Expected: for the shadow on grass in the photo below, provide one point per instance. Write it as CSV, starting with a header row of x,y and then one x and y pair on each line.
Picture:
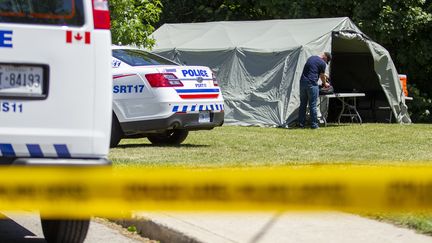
x,y
322,126
139,145
337,125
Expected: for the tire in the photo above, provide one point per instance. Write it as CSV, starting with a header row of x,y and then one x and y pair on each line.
x,y
116,132
173,137
65,231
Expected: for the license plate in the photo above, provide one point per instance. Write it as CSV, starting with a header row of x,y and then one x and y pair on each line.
x,y
204,117
21,80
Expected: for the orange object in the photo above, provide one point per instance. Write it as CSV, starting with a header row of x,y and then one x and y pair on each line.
x,y
403,80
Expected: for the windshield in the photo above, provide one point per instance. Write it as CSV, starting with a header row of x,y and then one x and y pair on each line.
x,y
52,12
140,58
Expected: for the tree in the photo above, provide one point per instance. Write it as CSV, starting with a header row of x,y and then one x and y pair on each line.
x,y
187,11
132,21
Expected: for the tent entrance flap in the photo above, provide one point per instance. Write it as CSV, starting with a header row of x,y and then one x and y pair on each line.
x,y
352,70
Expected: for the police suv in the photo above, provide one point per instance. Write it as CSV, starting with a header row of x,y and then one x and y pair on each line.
x,y
55,98
156,98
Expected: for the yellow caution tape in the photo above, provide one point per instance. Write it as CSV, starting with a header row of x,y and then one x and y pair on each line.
x,y
80,192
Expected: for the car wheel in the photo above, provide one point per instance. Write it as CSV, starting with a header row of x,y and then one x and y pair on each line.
x,y
116,132
173,137
65,231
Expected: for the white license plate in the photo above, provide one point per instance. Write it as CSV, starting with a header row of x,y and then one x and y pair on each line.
x,y
21,80
204,116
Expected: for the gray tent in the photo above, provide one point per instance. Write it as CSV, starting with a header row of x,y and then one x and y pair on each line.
x,y
259,64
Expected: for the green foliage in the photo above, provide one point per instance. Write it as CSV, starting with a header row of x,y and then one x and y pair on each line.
x,y
132,21
132,229
186,11
420,107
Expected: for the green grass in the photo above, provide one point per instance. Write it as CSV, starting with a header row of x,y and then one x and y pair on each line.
x,y
231,146
421,222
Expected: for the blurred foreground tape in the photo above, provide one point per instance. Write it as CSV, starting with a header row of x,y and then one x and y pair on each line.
x,y
80,192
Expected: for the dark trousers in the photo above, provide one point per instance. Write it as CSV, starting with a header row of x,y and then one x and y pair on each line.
x,y
308,95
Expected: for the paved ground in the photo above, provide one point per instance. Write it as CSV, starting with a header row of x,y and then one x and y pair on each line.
x,y
224,228
26,228
267,227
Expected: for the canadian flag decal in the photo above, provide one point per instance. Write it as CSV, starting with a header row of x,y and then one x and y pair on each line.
x,y
78,37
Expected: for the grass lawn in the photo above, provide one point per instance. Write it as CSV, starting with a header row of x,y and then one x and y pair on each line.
x,y
421,222
232,146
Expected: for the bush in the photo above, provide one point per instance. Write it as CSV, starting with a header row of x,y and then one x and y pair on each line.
x,y
420,107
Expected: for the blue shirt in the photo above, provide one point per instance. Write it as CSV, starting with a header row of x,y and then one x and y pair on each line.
x,y
313,68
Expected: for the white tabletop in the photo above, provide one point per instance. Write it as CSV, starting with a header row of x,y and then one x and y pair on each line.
x,y
342,95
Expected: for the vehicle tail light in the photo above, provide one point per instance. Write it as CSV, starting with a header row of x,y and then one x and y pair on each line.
x,y
101,14
215,82
163,80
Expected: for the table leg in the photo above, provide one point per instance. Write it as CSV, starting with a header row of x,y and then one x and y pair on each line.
x,y
342,110
355,109
349,108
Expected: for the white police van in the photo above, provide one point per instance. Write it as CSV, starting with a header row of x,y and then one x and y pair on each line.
x,y
55,101
156,98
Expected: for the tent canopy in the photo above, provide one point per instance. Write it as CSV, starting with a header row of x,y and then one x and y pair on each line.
x,y
259,63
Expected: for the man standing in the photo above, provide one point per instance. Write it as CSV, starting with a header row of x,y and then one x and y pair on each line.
x,y
313,70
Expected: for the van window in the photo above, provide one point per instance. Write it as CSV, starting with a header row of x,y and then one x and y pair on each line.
x,y
50,12
140,58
